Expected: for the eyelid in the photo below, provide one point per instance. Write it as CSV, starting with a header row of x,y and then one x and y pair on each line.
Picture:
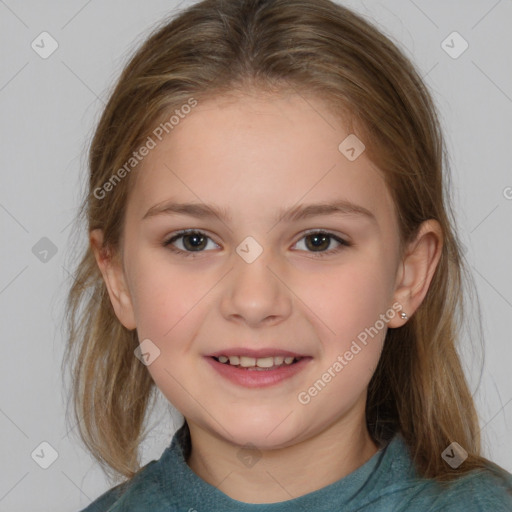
x,y
325,231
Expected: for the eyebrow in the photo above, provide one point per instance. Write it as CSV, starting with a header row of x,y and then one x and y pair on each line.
x,y
202,210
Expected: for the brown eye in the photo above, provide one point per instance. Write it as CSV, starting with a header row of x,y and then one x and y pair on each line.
x,y
188,242
195,242
320,243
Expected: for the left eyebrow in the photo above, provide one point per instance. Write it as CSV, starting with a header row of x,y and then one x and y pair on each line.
x,y
341,207
202,210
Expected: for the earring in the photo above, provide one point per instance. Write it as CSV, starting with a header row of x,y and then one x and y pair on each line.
x,y
403,315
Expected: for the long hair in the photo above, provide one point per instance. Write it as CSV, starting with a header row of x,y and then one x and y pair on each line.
x,y
215,47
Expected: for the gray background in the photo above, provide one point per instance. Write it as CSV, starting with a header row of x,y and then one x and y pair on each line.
x,y
48,110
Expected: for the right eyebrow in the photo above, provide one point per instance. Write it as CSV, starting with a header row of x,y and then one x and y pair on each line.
x,y
199,210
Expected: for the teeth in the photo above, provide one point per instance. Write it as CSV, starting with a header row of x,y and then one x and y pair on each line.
x,y
247,361
261,362
265,362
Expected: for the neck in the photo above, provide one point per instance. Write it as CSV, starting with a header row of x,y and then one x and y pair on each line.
x,y
328,456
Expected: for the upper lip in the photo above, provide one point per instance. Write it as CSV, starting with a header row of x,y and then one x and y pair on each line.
x,y
256,353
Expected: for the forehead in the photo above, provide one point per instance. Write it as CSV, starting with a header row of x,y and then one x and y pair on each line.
x,y
245,152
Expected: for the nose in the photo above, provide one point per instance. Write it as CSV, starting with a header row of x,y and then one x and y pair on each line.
x,y
254,295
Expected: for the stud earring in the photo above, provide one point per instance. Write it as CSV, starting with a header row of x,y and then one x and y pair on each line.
x,y
403,315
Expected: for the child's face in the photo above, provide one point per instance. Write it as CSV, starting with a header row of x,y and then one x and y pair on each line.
x,y
253,158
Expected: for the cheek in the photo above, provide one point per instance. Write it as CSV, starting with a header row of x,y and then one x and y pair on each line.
x,y
347,306
352,334
347,300
164,295
169,306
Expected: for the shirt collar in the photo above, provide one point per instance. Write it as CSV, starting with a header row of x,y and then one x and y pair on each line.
x,y
182,486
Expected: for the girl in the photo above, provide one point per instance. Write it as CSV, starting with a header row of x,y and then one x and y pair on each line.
x,y
272,247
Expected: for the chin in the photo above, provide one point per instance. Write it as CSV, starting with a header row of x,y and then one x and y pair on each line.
x,y
266,433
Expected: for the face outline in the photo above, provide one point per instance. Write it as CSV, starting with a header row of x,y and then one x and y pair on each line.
x,y
287,298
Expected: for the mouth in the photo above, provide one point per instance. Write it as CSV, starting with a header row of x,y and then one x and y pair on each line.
x,y
268,363
257,368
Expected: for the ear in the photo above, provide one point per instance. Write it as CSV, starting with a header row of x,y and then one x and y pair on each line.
x,y
418,266
113,274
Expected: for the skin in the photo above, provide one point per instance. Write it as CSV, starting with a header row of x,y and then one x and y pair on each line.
x,y
254,156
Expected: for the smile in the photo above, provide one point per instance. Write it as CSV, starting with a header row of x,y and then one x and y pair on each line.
x,y
260,363
257,372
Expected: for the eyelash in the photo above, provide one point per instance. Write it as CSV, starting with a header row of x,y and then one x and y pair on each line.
x,y
180,234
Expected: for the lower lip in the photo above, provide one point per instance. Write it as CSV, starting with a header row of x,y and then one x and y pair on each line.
x,y
257,378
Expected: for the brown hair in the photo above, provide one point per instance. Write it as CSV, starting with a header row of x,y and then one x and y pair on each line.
x,y
320,48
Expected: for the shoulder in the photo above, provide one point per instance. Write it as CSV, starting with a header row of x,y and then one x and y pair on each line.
x,y
142,492
156,486
478,491
399,486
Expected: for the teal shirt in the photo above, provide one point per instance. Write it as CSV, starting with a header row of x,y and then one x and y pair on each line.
x,y
387,482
